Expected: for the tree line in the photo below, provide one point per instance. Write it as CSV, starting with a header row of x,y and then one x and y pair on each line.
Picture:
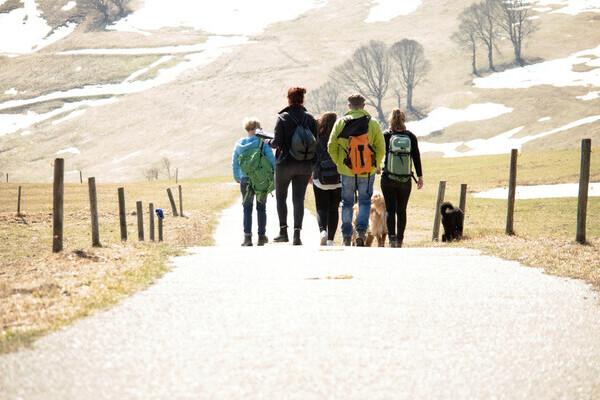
x,y
374,70
484,23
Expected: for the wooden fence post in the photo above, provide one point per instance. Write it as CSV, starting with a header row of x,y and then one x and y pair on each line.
x,y
19,203
462,203
176,175
122,214
140,220
584,183
436,220
151,210
512,190
180,202
7,177
81,177
94,212
160,229
58,205
172,200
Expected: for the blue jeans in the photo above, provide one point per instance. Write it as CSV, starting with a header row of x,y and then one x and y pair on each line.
x,y
261,210
365,190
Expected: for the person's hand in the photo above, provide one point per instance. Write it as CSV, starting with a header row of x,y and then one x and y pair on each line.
x,y
378,171
268,141
238,181
420,183
310,181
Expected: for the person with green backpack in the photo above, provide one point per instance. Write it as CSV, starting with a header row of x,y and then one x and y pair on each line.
x,y
402,151
253,165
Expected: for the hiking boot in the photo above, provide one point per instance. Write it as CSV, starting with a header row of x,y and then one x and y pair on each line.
x,y
330,243
247,241
283,236
297,241
393,240
262,240
347,241
323,238
360,237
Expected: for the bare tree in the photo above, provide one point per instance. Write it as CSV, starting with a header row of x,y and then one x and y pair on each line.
x,y
367,72
151,173
484,16
409,56
514,19
166,167
325,98
466,38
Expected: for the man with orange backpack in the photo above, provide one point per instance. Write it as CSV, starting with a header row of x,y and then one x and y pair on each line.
x,y
357,146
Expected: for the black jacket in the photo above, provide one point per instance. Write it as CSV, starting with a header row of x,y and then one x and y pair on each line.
x,y
284,130
414,152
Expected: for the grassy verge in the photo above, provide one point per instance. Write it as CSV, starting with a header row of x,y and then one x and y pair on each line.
x,y
41,291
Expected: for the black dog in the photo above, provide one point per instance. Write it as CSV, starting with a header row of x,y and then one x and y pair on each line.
x,y
452,219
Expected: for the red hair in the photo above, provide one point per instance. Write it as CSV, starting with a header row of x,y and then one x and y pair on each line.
x,y
295,95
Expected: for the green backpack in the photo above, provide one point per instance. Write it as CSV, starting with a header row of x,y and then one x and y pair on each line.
x,y
259,171
399,162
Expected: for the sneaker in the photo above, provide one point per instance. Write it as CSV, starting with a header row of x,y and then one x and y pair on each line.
x,y
247,241
262,240
347,241
330,243
360,238
323,238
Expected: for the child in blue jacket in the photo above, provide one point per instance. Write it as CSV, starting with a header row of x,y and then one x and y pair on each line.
x,y
251,125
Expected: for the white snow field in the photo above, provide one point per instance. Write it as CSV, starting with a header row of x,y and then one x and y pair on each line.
x,y
500,144
443,117
27,24
385,10
555,72
224,17
571,7
541,191
589,96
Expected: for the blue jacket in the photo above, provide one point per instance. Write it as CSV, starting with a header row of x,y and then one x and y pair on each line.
x,y
243,145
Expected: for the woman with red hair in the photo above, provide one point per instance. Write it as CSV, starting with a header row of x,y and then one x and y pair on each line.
x,y
290,167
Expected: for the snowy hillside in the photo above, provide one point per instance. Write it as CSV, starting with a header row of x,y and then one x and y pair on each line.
x,y
174,79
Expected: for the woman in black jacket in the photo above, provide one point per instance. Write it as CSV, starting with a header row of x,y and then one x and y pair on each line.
x,y
396,189
326,182
289,169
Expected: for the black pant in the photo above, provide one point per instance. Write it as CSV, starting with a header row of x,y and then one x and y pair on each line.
x,y
328,209
396,197
298,173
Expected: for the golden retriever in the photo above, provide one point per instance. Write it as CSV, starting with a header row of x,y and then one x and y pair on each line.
x,y
377,227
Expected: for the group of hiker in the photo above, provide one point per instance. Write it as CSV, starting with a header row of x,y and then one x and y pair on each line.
x,y
340,156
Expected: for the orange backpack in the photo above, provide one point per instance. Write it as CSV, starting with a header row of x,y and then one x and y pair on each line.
x,y
360,157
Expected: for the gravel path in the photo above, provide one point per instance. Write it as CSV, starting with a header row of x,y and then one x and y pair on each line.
x,y
405,323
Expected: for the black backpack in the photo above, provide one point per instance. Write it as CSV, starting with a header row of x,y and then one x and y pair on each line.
x,y
304,143
326,169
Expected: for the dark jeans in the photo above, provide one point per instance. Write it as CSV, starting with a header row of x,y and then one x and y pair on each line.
x,y
328,209
261,210
396,197
298,173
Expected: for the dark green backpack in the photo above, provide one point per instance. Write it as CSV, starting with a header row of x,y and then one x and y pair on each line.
x,y
398,164
259,171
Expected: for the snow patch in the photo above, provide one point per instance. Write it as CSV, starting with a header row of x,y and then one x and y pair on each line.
x,y
556,72
500,144
69,6
385,10
30,28
540,191
443,117
544,119
589,96
224,17
11,92
72,150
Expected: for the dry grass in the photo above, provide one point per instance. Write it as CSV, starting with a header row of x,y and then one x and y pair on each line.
x,y
41,291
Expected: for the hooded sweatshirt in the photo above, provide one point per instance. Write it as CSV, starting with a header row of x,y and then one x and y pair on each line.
x,y
338,147
243,145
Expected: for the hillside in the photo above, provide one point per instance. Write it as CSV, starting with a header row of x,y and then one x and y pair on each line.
x,y
180,92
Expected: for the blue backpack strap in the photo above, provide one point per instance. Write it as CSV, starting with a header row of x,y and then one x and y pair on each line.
x,y
293,118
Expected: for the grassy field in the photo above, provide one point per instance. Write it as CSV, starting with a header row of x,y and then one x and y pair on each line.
x,y
41,291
